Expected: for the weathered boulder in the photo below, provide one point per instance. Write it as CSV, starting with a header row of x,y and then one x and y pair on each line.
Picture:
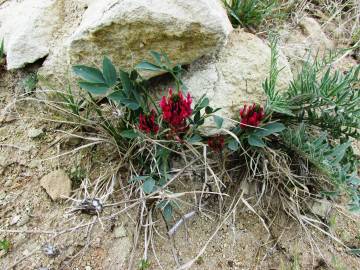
x,y
304,42
234,77
27,28
56,184
126,30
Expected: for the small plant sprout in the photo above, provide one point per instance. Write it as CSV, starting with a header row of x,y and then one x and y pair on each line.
x,y
5,245
30,83
144,264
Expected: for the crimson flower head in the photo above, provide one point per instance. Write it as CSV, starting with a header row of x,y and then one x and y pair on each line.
x,y
176,109
251,116
216,143
147,123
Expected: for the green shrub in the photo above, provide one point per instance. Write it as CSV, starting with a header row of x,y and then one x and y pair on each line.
x,y
321,110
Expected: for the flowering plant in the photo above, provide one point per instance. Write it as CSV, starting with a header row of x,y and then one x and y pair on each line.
x,y
216,143
251,116
147,123
176,109
174,118
146,130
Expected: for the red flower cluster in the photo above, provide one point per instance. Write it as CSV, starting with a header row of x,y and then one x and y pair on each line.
x,y
251,116
176,109
216,143
147,123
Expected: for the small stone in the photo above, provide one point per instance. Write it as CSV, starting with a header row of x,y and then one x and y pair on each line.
x,y
120,232
50,250
24,219
2,253
35,133
26,252
15,220
34,164
88,267
72,142
91,206
8,183
56,184
321,208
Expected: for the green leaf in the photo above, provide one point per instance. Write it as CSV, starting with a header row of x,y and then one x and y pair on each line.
x,y
131,104
233,145
89,74
194,139
355,209
129,134
168,212
109,72
197,117
218,121
2,49
117,96
203,104
354,180
94,88
254,140
145,65
208,110
215,110
126,82
148,185
355,251
5,245
134,75
269,129
156,56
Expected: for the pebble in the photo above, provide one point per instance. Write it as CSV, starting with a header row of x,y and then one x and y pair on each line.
x,y
120,232
24,219
35,133
15,220
88,267
8,183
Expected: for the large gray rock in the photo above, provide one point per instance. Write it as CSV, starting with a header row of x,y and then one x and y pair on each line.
x,y
57,184
126,30
234,77
27,28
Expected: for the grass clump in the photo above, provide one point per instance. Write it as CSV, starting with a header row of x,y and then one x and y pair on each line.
x,y
249,13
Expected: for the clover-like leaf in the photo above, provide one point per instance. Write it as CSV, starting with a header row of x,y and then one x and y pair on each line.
x,y
218,121
149,185
254,140
89,74
109,72
94,88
